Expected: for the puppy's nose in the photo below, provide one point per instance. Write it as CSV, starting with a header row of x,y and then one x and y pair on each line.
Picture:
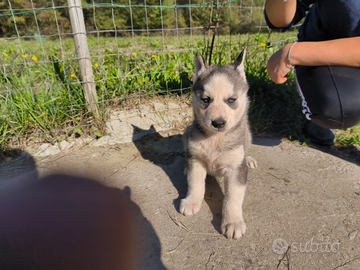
x,y
218,123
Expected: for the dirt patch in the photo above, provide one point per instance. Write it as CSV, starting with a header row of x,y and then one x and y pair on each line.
x,y
298,195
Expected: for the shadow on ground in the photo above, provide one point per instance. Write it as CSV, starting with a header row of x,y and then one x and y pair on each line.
x,y
266,141
163,151
149,246
15,166
347,153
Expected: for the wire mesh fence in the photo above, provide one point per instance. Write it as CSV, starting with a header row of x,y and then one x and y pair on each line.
x,y
137,49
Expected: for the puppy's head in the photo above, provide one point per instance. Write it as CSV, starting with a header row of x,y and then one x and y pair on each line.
x,y
220,94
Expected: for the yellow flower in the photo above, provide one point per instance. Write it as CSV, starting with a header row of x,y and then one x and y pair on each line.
x,y
134,54
34,58
72,75
263,44
25,55
5,54
37,71
154,56
129,73
48,42
96,65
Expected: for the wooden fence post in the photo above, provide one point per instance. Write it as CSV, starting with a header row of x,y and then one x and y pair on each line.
x,y
83,55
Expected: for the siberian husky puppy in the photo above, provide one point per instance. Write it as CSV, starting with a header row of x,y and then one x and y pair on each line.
x,y
218,141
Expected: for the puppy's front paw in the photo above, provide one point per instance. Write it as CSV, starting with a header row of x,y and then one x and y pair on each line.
x,y
188,207
233,230
251,163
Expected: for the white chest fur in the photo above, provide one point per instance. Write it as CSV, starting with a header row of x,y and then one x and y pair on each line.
x,y
215,154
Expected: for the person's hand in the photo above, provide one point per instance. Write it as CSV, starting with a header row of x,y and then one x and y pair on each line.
x,y
278,65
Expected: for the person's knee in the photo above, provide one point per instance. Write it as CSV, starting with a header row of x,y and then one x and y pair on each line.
x,y
336,121
332,95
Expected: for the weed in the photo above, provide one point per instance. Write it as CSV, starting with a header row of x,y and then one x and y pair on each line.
x,y
349,140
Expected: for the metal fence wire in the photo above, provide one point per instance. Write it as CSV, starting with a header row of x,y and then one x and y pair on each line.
x,y
64,64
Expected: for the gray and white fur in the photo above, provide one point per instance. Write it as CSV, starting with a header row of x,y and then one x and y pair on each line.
x,y
218,141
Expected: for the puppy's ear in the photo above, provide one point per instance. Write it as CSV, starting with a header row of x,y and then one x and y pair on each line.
x,y
239,64
200,66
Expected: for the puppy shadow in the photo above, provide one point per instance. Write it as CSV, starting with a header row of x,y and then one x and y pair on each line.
x,y
165,152
214,198
168,154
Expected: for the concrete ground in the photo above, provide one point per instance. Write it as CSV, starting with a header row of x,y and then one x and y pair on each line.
x,y
301,208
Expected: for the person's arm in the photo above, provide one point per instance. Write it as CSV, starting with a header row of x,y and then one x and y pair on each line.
x,y
342,52
279,12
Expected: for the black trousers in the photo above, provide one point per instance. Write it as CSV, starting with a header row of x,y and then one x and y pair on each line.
x,y
331,95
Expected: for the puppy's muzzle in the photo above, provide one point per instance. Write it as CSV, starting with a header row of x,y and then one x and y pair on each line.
x,y
218,123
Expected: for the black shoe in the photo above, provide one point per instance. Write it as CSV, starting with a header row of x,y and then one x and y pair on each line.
x,y
320,135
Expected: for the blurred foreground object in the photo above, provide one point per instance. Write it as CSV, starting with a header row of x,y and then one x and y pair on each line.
x,y
66,222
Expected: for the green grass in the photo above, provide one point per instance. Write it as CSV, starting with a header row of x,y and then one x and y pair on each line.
x,y
41,94
349,137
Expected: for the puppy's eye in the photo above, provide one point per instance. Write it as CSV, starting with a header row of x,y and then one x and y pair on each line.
x,y
205,100
231,100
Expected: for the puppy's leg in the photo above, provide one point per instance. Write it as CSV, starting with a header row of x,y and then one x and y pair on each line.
x,y
232,224
251,162
196,174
